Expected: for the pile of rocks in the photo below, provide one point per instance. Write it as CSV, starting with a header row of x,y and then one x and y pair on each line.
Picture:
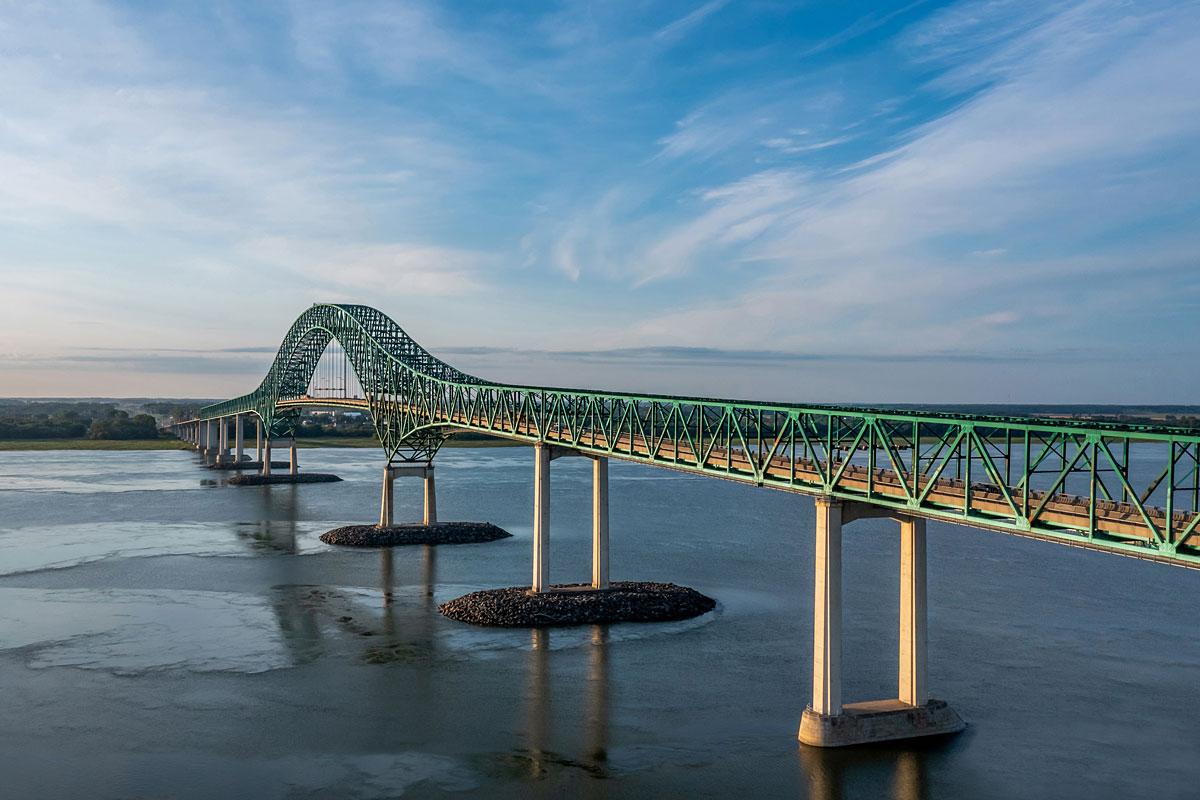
x,y
247,465
625,601
414,533
263,480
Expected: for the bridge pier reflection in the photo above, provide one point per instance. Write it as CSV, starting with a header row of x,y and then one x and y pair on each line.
x,y
826,773
827,722
539,708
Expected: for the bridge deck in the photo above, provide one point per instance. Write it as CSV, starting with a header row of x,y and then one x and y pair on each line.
x,y
983,504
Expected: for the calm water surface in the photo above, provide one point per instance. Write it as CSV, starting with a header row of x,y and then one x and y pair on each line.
x,y
164,635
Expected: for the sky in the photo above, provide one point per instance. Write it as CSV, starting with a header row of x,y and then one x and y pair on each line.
x,y
910,202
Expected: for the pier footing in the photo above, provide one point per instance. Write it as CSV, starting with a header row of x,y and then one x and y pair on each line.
x,y
878,721
414,533
263,480
578,604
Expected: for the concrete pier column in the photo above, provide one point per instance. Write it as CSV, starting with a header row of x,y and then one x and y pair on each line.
x,y
386,505
222,440
430,497
211,437
239,438
827,609
829,722
913,638
293,459
599,523
541,517
266,457
258,437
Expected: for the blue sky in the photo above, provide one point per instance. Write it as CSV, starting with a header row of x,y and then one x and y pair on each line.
x,y
864,202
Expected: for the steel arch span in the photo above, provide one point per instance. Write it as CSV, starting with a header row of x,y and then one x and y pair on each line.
x,y
1127,488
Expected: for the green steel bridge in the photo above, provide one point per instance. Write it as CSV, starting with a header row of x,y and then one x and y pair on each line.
x,y
1133,490
1128,489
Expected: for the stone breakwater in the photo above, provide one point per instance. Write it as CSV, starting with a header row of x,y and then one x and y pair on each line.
x,y
414,533
263,480
625,601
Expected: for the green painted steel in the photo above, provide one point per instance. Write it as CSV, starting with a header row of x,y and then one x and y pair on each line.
x,y
1131,489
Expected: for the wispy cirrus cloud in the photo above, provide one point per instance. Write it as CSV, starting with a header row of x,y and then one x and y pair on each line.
x,y
928,182
680,27
415,269
1040,168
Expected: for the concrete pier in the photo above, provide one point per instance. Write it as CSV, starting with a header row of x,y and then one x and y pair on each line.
x,y
541,517
266,457
387,501
913,639
210,440
599,523
222,441
827,610
293,459
543,455
430,495
239,438
387,505
258,438
827,722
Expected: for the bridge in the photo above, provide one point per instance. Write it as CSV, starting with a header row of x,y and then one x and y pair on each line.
x,y
1127,489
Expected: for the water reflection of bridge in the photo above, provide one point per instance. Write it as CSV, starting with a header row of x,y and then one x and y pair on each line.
x,y
303,624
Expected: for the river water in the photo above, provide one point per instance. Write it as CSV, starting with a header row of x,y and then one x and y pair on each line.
x,y
165,635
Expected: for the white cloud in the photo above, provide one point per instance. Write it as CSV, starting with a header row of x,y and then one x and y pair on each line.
x,y
737,213
390,268
680,27
1066,145
101,127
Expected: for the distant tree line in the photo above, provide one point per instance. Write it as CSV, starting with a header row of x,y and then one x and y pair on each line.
x,y
72,420
334,423
174,410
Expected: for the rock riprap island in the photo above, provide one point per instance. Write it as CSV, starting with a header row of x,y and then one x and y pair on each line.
x,y
414,533
623,601
265,480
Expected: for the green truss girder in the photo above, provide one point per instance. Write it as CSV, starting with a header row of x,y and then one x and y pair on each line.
x,y
1133,489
